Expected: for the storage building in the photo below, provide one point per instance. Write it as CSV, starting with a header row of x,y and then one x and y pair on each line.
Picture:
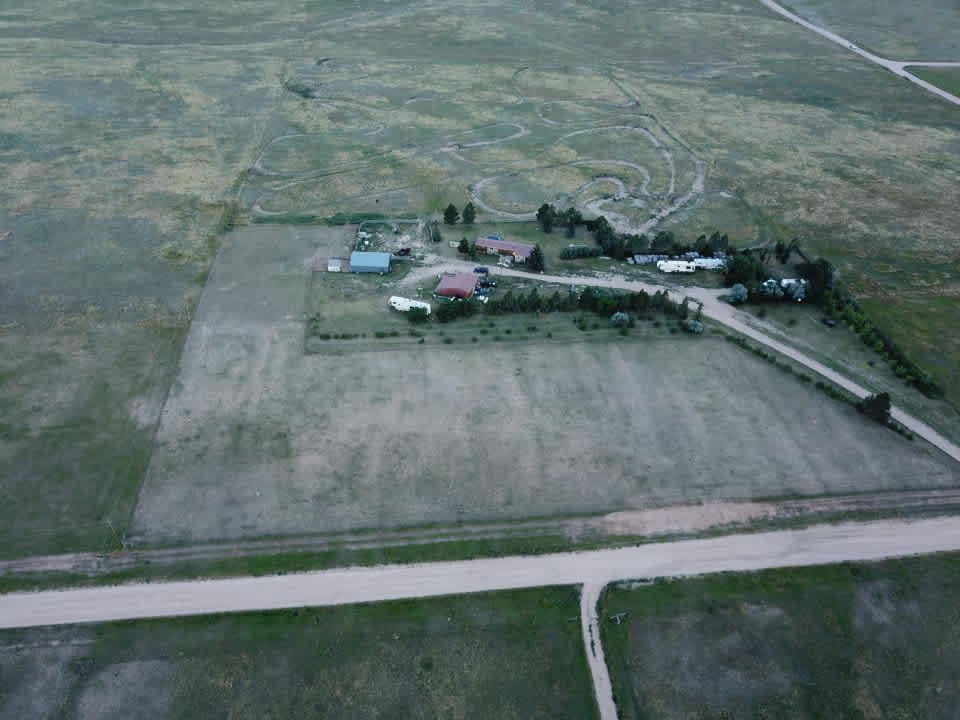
x,y
495,245
461,285
370,262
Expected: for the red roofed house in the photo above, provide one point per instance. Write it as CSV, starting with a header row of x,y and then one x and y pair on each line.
x,y
497,246
458,286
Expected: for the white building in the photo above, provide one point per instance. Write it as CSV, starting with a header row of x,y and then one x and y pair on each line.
x,y
403,304
334,265
676,266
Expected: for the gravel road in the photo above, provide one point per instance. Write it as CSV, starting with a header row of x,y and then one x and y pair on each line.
x,y
811,546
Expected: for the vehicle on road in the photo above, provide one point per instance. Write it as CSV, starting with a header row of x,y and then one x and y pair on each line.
x,y
482,270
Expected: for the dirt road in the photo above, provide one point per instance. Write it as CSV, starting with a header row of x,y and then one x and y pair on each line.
x,y
894,66
811,546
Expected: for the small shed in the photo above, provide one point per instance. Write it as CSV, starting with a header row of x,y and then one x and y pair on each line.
x,y
334,265
370,262
462,285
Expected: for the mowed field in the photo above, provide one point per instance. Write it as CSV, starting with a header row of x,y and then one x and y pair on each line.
x,y
841,641
258,438
126,133
504,655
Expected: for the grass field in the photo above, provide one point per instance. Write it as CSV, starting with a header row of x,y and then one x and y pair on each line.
x,y
503,655
839,347
922,30
853,641
127,132
945,78
258,438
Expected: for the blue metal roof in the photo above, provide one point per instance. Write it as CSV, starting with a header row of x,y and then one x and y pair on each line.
x,y
369,261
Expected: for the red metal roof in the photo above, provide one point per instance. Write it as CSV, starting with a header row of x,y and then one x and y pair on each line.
x,y
521,249
461,285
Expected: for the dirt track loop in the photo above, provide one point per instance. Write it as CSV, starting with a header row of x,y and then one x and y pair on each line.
x,y
811,546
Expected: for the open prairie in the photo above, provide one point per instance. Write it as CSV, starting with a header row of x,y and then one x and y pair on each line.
x,y
873,640
127,131
920,30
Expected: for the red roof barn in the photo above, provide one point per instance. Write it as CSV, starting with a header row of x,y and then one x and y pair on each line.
x,y
461,285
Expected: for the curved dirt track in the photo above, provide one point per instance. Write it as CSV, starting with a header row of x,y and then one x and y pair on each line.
x,y
894,66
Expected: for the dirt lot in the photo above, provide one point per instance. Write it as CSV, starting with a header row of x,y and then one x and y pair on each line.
x,y
509,655
259,438
840,641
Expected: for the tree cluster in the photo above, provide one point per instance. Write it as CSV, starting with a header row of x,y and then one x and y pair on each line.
x,y
576,252
876,407
451,214
838,304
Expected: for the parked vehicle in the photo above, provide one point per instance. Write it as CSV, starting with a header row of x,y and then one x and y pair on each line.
x,y
482,270
488,284
403,251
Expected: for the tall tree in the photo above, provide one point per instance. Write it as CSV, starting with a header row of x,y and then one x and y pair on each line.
x,y
469,214
662,243
876,407
464,246
536,260
451,214
546,216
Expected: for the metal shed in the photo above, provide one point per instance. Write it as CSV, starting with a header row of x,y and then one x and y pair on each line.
x,y
370,262
458,286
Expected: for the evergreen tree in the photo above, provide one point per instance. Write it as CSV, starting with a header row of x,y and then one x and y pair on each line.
x,y
451,214
536,261
546,216
469,214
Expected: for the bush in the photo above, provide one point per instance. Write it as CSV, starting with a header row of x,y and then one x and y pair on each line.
x,y
417,315
421,341
580,251
531,328
447,341
738,294
473,339
549,334
692,326
380,334
876,407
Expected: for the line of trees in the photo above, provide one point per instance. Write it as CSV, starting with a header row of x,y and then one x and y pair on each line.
x,y
451,214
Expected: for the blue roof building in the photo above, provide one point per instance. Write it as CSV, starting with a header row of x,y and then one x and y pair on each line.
x,y
370,262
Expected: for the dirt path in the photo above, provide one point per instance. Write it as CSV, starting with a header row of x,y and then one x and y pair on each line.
x,y
593,645
638,523
894,66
